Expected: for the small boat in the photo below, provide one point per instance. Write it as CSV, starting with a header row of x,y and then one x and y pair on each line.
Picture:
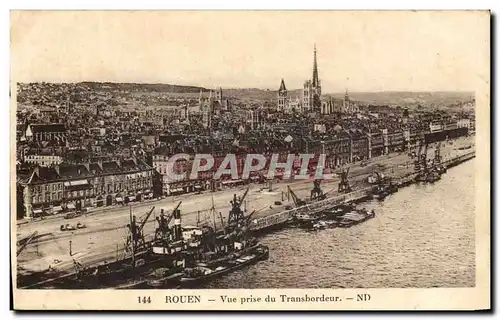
x,y
352,218
331,224
163,277
306,220
335,213
306,217
319,225
201,273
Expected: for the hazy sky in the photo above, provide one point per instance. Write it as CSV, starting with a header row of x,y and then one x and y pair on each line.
x,y
364,51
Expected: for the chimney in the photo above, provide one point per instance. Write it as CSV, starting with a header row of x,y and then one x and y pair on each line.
x,y
57,168
37,170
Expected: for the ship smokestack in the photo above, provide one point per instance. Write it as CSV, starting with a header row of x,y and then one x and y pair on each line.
x,y
177,225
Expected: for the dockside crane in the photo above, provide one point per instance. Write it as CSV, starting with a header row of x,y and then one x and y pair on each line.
x,y
344,186
424,158
437,159
135,239
316,192
418,158
236,214
296,200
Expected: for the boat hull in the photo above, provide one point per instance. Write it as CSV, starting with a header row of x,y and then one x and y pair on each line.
x,y
194,281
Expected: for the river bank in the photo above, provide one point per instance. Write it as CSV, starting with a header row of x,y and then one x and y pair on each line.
x,y
105,233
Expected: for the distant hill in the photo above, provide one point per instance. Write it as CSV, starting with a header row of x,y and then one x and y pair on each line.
x,y
144,87
407,99
379,98
410,98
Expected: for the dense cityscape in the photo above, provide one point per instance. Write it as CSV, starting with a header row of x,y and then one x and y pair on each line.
x,y
87,145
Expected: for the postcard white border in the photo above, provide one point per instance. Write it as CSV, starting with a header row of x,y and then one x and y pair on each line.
x,y
382,299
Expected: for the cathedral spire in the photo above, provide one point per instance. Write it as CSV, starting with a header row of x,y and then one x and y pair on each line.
x,y
315,79
282,85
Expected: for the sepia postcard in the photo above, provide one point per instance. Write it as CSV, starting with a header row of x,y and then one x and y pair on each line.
x,y
250,160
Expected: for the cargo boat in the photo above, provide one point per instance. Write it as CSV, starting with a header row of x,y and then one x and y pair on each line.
x,y
353,218
139,257
203,272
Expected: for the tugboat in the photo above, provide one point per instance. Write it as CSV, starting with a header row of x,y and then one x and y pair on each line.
x,y
383,186
439,167
306,218
338,211
355,217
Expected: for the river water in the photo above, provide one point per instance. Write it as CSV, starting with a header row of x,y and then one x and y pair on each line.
x,y
422,236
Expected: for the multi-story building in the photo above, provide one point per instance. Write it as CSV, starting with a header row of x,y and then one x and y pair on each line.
x,y
393,141
171,183
359,146
375,144
43,159
77,186
338,150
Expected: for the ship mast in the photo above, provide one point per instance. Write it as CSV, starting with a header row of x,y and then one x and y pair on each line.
x,y
136,236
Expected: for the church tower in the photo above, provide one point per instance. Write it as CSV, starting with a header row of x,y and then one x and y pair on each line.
x,y
311,95
315,80
347,102
282,96
316,85
200,101
218,95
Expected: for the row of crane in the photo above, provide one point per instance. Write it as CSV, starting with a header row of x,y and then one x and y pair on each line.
x,y
428,170
317,193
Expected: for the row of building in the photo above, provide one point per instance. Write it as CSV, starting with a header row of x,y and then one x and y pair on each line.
x,y
67,187
343,148
60,186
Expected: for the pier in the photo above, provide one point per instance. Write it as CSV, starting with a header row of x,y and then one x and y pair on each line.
x,y
280,218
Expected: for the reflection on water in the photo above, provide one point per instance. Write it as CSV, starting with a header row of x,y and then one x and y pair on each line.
x,y
422,236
